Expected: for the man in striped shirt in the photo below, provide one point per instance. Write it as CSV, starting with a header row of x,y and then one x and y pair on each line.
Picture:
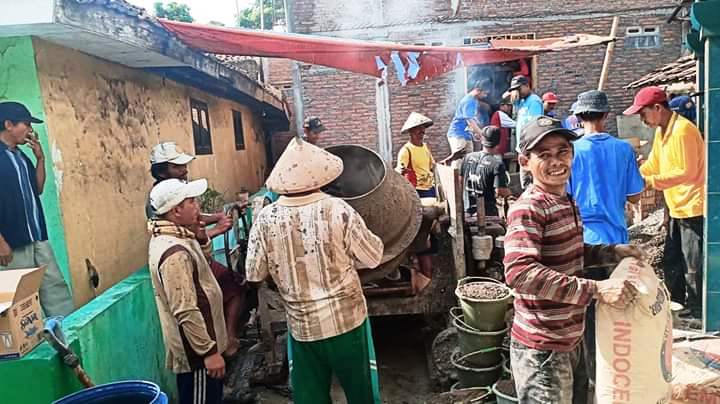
x,y
544,260
23,232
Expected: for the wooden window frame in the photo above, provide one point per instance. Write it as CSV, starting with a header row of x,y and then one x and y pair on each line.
x,y
238,130
637,37
202,135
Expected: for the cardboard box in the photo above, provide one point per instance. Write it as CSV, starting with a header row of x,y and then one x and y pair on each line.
x,y
21,322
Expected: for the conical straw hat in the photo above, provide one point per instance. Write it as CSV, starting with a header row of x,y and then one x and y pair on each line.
x,y
303,167
415,120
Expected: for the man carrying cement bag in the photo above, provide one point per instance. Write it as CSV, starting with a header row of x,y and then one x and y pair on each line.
x,y
544,263
634,345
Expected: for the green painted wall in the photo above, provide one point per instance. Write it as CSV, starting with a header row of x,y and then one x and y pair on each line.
x,y
704,40
19,82
117,336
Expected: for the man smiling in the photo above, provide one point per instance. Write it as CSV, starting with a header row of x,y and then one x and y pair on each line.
x,y
544,259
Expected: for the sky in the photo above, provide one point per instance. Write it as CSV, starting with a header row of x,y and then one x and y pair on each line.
x,y
202,10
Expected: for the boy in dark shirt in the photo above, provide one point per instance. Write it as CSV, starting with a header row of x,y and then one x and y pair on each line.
x,y
484,175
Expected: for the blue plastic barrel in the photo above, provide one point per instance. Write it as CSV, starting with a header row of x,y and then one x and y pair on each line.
x,y
127,392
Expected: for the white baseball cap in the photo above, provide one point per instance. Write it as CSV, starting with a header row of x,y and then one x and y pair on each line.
x,y
170,193
169,152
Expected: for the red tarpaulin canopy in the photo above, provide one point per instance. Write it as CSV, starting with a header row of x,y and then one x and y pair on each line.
x,y
413,63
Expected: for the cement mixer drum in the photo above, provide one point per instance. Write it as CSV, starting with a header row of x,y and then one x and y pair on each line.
x,y
386,201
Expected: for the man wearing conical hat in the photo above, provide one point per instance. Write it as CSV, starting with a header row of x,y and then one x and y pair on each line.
x,y
416,163
308,242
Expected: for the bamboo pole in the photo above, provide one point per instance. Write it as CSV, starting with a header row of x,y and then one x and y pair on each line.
x,y
608,54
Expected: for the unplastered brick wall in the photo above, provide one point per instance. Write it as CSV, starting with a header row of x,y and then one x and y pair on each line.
x,y
312,16
346,101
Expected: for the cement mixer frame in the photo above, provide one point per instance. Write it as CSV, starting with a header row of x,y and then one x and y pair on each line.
x,y
433,302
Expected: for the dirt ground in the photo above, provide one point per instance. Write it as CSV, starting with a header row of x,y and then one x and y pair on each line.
x,y
404,378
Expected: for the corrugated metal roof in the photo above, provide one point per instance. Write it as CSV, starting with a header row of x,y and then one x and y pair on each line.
x,y
683,70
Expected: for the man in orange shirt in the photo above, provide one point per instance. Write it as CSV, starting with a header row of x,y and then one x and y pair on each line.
x,y
676,166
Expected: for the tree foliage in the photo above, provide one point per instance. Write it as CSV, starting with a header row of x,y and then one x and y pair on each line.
x,y
173,11
250,16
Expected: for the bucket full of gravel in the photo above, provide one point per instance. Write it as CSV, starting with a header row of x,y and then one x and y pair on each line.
x,y
484,302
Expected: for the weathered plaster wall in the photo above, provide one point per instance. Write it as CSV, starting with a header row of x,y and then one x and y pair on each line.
x,y
105,118
117,337
19,82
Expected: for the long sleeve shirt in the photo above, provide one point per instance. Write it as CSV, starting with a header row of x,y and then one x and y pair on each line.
x,y
544,258
188,298
311,246
505,120
676,166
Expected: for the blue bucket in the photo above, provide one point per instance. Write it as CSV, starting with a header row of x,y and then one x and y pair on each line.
x,y
127,392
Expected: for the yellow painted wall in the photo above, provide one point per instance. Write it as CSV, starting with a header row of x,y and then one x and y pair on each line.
x,y
103,119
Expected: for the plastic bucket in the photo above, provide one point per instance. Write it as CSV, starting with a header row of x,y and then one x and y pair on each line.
x,y
126,392
484,314
487,345
458,394
507,370
503,398
474,376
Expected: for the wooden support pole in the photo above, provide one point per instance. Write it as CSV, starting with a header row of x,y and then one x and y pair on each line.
x,y
608,54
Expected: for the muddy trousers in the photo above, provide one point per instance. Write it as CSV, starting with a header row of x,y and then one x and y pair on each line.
x,y
683,262
349,356
197,387
55,298
549,377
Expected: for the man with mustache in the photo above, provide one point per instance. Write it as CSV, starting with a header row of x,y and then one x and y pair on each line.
x,y
544,260
168,161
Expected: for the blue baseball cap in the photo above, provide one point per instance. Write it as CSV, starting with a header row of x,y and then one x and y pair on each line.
x,y
682,103
16,112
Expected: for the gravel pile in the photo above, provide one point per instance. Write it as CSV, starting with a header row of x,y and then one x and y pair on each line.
x,y
650,237
484,290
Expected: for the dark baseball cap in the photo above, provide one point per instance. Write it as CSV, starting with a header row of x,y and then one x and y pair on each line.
x,y
518,81
535,130
16,112
314,124
490,136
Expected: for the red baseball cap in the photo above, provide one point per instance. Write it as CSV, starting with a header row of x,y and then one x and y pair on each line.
x,y
550,97
645,97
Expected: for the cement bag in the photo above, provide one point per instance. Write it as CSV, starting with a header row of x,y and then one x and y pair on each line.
x,y
696,372
634,345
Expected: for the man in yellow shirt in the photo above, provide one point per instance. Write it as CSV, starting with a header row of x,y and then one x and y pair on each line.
x,y
415,161
676,166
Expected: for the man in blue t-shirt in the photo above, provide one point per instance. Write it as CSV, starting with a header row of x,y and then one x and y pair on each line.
x,y
527,106
605,175
470,117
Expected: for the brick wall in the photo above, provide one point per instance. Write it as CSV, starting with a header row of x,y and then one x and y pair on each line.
x,y
346,101
331,15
